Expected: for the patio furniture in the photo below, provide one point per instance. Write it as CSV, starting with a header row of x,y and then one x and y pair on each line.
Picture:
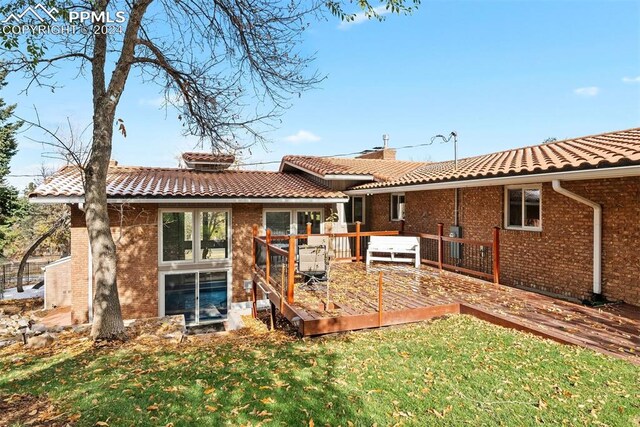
x,y
394,245
313,264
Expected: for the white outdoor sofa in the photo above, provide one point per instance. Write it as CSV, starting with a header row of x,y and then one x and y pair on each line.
x,y
393,246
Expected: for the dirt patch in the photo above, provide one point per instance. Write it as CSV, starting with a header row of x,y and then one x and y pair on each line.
x,y
27,409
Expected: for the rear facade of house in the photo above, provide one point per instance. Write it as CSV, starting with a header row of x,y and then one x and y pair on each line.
x,y
184,236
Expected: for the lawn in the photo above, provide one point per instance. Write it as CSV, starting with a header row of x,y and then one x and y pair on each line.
x,y
452,371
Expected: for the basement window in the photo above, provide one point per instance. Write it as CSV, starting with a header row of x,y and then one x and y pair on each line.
x,y
523,207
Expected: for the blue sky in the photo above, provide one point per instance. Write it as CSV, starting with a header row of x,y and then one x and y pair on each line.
x,y
501,73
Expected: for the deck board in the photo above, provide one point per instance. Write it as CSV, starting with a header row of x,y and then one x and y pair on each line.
x,y
411,295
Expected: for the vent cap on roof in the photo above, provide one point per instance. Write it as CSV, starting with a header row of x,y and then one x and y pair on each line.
x,y
208,161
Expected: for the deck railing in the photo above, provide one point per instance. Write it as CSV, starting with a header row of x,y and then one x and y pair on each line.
x,y
274,256
473,257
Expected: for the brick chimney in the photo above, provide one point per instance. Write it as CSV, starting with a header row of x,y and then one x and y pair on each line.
x,y
385,153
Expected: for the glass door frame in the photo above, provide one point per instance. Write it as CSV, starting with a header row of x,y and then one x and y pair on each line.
x,y
161,292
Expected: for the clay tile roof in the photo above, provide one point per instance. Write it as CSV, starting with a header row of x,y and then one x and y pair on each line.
x,y
146,182
193,157
381,170
619,148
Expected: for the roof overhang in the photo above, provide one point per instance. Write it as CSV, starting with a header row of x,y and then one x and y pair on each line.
x,y
190,200
329,177
575,175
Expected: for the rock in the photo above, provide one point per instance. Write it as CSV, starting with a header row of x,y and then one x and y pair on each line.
x,y
39,327
40,341
79,329
175,337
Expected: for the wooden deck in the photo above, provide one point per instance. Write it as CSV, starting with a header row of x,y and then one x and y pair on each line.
x,y
411,295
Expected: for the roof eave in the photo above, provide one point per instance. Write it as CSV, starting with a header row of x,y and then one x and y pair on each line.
x,y
194,200
571,175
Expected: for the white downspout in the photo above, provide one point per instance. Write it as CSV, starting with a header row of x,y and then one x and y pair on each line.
x,y
597,233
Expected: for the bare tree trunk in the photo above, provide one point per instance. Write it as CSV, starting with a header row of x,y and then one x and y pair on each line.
x,y
107,315
23,262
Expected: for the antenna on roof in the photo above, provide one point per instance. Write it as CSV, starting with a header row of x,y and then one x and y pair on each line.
x,y
453,135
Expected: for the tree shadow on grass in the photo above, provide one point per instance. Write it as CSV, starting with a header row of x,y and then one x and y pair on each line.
x,y
269,380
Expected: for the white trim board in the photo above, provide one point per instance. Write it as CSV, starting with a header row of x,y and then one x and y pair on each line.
x,y
585,174
190,200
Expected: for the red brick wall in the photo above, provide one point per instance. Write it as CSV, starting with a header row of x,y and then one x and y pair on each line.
x,y
379,216
135,231
243,218
559,258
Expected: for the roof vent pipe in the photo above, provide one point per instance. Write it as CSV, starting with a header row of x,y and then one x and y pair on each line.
x,y
597,233
385,141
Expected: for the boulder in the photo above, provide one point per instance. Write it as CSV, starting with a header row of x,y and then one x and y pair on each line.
x,y
40,341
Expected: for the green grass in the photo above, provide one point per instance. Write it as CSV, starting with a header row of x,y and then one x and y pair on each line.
x,y
453,371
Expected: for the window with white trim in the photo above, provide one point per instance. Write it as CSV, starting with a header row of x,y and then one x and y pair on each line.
x,y
179,227
397,207
354,210
292,221
523,207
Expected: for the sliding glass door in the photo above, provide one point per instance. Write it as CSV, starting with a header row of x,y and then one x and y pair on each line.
x,y
201,296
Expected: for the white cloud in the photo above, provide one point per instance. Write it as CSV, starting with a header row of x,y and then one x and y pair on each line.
x,y
587,91
631,79
362,17
302,136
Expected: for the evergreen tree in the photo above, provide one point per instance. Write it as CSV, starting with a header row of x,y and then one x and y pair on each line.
x,y
8,148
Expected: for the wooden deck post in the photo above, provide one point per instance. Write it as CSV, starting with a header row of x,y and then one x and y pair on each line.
x,y
358,241
496,255
267,269
291,268
308,229
380,299
440,245
254,299
282,279
254,233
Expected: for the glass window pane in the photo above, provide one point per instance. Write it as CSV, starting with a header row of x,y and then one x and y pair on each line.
x,y
348,211
213,296
309,216
278,222
180,295
394,207
358,211
515,208
532,207
213,235
177,236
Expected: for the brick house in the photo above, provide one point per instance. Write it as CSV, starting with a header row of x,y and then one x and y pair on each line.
x,y
569,212
155,214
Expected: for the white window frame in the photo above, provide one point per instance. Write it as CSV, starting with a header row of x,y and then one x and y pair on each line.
x,y
391,218
521,187
197,260
161,295
293,215
364,209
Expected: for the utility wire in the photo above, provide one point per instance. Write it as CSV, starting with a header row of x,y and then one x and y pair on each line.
x,y
272,162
